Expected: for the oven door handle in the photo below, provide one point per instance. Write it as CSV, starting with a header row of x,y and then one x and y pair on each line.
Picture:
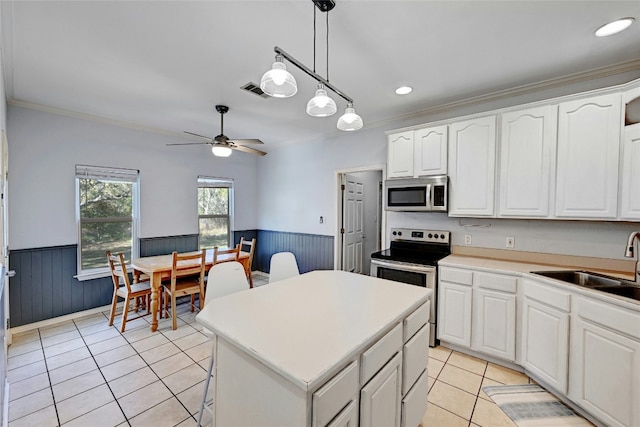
x,y
404,267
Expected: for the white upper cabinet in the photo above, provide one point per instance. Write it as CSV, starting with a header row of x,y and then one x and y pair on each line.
x,y
472,161
430,153
527,157
630,176
400,155
418,153
588,154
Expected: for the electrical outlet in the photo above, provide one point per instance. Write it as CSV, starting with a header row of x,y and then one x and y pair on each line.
x,y
511,242
467,239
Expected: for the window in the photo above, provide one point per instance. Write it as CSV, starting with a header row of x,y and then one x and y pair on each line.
x,y
107,216
215,211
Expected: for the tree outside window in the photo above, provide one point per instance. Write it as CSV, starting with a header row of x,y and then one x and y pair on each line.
x,y
106,207
214,212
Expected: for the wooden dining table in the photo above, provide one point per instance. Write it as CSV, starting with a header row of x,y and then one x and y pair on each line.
x,y
158,268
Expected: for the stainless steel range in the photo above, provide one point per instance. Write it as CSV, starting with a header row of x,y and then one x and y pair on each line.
x,y
413,258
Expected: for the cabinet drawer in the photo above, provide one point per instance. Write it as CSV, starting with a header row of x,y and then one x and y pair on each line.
x,y
610,316
416,320
375,357
496,282
551,296
415,355
348,417
464,277
414,405
329,400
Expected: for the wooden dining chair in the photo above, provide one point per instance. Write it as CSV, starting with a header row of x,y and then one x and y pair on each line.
x,y
187,278
251,244
282,266
123,288
223,279
217,252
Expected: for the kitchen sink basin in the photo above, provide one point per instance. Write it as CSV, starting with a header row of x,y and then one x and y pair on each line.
x,y
629,291
595,281
582,278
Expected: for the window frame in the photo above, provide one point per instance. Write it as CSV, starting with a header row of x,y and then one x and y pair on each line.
x,y
106,174
217,182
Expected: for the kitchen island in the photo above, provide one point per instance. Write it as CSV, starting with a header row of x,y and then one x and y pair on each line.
x,y
322,348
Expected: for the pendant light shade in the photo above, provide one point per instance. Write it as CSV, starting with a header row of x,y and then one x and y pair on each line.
x,y
350,120
321,105
220,151
278,82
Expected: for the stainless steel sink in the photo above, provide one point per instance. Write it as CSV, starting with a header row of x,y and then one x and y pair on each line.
x,y
596,281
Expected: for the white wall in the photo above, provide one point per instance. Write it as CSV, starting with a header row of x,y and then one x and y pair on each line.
x,y
44,149
297,185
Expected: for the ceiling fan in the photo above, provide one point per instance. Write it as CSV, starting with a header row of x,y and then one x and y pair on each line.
x,y
221,145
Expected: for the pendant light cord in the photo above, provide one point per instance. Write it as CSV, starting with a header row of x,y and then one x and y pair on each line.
x,y
314,38
327,45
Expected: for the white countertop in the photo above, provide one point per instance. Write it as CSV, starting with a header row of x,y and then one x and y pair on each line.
x,y
304,326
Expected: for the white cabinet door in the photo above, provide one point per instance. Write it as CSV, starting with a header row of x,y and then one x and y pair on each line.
x,y
380,398
348,417
400,155
588,151
430,152
494,323
605,373
545,343
454,313
527,156
630,177
472,161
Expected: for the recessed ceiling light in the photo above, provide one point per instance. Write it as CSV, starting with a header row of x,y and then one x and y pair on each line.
x,y
403,90
614,27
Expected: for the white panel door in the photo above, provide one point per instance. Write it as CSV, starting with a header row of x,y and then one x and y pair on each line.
x,y
400,155
588,154
380,398
545,343
630,177
527,155
430,151
494,323
454,313
472,161
353,224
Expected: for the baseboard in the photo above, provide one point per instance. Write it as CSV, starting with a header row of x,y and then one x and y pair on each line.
x,y
55,320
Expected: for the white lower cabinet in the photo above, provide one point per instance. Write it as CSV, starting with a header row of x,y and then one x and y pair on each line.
x,y
348,417
545,334
454,305
380,398
604,376
494,323
477,310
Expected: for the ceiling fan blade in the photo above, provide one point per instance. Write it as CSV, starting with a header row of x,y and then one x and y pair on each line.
x,y
190,143
246,141
201,136
248,150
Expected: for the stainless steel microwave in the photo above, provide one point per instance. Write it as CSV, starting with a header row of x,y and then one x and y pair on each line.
x,y
428,194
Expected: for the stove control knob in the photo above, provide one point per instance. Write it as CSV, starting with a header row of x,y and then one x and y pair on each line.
x,y
430,235
394,233
435,236
442,236
399,233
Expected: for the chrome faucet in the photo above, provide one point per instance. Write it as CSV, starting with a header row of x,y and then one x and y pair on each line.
x,y
629,253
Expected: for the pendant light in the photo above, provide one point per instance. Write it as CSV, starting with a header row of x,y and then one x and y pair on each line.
x,y
350,121
278,82
220,151
321,105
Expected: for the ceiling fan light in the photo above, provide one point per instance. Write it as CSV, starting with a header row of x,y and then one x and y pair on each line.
x,y
350,121
321,105
278,82
220,151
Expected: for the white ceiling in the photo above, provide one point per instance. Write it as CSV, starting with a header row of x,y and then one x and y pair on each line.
x,y
165,64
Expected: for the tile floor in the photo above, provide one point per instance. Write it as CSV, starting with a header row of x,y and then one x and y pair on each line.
x,y
83,372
